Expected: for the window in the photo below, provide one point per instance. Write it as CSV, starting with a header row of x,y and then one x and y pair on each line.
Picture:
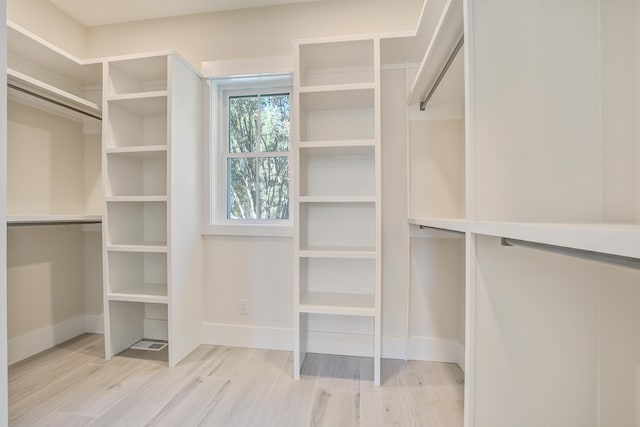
x,y
256,155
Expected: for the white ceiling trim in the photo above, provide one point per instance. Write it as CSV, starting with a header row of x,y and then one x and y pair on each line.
x,y
101,12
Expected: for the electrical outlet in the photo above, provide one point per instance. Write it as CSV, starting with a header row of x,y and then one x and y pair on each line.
x,y
244,306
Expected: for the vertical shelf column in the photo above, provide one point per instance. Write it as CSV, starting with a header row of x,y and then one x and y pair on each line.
x,y
135,229
337,266
152,253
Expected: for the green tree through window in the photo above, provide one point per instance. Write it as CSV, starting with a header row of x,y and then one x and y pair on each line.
x,y
258,157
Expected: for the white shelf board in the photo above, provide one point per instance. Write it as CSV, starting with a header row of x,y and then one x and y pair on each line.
x,y
52,219
149,293
48,91
342,97
337,304
139,151
450,224
35,50
337,199
146,247
347,87
449,30
338,252
612,239
138,95
358,145
141,103
118,199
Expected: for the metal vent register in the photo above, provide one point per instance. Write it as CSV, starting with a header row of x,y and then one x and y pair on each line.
x,y
148,345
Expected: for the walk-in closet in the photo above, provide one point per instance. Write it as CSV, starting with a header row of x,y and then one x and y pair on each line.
x,y
320,212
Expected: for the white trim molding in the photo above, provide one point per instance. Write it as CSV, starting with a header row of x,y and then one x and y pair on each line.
x,y
420,348
44,338
266,65
258,230
94,323
247,336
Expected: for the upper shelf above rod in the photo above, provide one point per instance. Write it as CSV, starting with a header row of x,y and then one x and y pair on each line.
x,y
31,91
443,72
444,46
618,260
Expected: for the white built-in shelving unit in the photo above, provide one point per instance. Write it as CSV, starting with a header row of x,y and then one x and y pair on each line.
x,y
528,151
54,183
152,243
337,188
57,91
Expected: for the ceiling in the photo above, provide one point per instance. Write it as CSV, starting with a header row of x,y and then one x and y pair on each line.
x,y
100,12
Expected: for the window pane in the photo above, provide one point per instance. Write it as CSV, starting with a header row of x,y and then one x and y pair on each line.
x,y
242,196
274,122
274,188
243,124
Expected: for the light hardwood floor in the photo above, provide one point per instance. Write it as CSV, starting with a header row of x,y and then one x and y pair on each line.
x,y
72,385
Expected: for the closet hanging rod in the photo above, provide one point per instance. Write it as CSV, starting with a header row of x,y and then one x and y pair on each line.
x,y
443,72
619,260
448,230
41,223
52,101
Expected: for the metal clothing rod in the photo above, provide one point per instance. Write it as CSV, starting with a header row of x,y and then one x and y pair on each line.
x,y
41,223
422,227
52,101
443,72
618,260
11,223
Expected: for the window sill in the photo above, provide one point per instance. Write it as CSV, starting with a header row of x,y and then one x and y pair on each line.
x,y
257,230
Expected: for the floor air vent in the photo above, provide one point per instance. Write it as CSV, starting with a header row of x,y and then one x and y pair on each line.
x,y
149,345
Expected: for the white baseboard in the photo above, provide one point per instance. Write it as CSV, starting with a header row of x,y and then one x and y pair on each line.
x,y
32,343
94,323
247,336
419,348
27,345
436,350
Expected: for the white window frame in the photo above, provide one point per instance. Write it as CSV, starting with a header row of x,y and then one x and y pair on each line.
x,y
215,159
225,155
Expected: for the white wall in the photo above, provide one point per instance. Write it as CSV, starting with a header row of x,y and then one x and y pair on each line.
x,y
54,272
637,118
536,352
619,347
394,203
47,21
436,265
92,272
555,336
45,273
45,287
545,166
258,269
45,171
437,288
620,68
54,282
253,32
4,398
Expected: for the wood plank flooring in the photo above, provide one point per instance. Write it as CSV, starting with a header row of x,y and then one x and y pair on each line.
x,y
72,385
